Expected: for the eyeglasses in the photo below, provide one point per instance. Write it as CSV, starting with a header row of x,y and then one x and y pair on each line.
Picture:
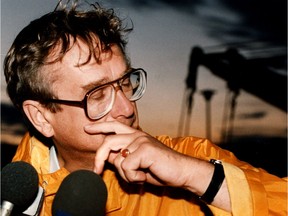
x,y
99,100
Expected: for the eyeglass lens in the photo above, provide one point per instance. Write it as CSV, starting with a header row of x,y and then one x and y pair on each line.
x,y
100,101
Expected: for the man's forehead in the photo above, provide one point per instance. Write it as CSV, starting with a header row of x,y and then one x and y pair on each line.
x,y
78,55
77,51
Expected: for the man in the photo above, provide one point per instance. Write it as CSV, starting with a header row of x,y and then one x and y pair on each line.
x,y
70,76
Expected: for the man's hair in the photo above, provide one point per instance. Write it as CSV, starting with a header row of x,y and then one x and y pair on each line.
x,y
62,27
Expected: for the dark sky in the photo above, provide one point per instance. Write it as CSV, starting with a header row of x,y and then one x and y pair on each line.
x,y
258,20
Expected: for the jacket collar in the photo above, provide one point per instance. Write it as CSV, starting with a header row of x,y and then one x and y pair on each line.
x,y
40,156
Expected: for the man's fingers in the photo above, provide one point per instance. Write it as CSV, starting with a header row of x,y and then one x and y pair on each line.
x,y
111,146
103,154
112,142
108,127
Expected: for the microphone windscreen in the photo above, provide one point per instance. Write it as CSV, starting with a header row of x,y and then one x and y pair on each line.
x,y
82,193
19,184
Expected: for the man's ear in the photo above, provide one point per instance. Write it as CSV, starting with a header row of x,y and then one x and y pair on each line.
x,y
37,115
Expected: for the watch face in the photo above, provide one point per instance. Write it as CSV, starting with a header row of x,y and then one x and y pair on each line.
x,y
213,161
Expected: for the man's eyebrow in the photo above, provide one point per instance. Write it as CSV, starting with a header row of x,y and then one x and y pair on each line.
x,y
92,85
102,81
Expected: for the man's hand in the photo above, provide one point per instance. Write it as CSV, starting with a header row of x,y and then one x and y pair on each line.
x,y
149,160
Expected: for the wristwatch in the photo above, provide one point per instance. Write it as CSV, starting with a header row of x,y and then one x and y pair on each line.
x,y
216,182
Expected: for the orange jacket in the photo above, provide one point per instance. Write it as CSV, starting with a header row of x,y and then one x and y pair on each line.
x,y
252,191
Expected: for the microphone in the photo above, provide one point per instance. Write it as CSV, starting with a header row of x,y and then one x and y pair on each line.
x,y
19,187
82,193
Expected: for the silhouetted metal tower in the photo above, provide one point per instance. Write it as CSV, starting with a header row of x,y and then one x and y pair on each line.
x,y
208,93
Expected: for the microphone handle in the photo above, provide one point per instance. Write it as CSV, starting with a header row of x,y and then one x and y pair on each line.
x,y
6,208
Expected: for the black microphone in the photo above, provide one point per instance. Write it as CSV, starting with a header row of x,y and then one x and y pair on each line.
x,y
82,193
19,187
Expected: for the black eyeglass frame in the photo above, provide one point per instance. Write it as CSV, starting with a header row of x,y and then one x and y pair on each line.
x,y
83,103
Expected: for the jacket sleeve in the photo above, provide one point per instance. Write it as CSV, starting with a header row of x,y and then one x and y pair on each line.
x,y
253,191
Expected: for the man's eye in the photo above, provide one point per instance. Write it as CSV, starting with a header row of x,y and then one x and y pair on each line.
x,y
126,83
98,95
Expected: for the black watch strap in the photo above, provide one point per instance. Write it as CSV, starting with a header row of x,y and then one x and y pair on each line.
x,y
216,182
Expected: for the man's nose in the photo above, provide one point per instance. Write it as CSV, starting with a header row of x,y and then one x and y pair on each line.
x,y
122,105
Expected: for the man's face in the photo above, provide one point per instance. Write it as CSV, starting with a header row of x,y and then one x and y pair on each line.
x,y
72,82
